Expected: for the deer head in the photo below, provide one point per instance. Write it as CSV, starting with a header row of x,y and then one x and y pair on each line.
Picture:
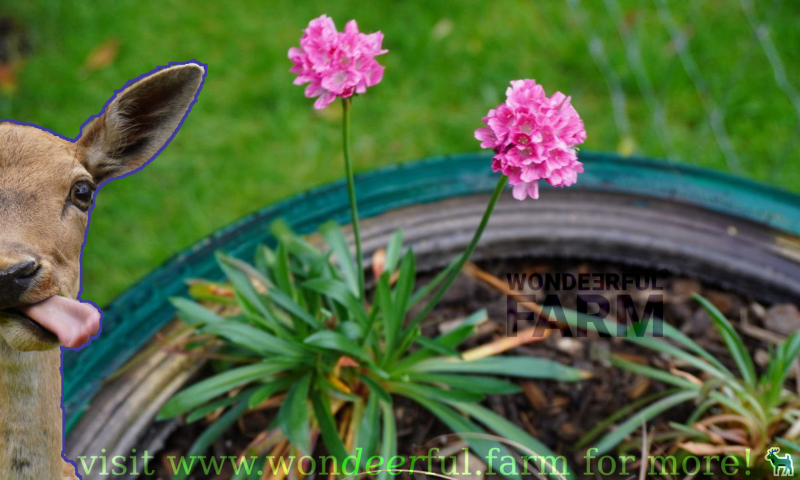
x,y
771,453
47,187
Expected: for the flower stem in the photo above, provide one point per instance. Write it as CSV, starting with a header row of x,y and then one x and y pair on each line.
x,y
351,191
459,262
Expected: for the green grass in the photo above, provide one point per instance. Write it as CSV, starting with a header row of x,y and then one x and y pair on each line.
x,y
253,138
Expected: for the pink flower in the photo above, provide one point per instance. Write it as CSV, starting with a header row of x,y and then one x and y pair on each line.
x,y
534,137
336,64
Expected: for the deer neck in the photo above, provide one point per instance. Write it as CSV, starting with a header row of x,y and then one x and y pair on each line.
x,y
30,414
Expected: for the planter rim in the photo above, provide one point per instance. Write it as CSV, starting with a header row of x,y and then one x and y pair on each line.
x,y
145,309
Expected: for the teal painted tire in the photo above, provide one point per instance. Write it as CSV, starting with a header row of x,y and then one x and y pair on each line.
x,y
726,230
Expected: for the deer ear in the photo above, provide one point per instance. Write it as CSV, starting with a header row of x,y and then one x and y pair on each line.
x,y
139,122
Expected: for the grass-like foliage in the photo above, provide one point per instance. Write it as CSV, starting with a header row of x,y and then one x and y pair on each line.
x,y
334,363
734,411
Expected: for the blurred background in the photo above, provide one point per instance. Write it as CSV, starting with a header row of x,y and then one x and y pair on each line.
x,y
712,83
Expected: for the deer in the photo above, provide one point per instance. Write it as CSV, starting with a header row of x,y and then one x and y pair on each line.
x,y
780,463
47,189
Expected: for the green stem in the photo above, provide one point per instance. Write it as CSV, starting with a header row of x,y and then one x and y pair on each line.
x,y
458,263
351,191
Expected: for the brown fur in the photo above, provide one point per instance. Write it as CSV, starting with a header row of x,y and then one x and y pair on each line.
x,y
38,172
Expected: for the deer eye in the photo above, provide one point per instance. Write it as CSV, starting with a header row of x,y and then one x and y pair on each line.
x,y
82,194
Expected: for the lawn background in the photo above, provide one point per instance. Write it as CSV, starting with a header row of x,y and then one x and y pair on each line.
x,y
253,139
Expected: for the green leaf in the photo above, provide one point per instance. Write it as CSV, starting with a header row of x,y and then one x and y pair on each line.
x,y
370,429
686,431
676,335
700,410
732,340
327,426
375,388
281,229
333,288
466,329
331,340
338,244
370,334
203,411
264,260
270,389
293,415
273,323
291,307
626,410
613,438
340,292
411,335
791,348
737,406
636,335
660,345
240,273
451,339
211,387
211,434
254,339
779,367
436,346
788,444
470,383
383,299
523,367
509,431
295,244
193,313
457,423
393,251
389,437
654,373
433,284
440,394
303,250
328,388
405,284
282,270
351,329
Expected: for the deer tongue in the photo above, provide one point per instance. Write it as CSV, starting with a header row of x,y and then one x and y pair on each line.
x,y
73,322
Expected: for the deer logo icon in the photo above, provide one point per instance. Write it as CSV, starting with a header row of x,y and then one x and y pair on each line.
x,y
781,466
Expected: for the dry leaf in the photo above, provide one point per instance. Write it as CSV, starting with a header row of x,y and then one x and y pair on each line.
x,y
378,262
102,56
639,388
8,79
702,449
534,395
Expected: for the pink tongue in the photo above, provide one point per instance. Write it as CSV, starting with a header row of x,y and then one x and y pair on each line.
x,y
73,322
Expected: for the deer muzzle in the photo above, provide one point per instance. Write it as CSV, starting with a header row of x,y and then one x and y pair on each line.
x,y
31,317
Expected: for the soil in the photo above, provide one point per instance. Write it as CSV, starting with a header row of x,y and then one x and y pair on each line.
x,y
557,413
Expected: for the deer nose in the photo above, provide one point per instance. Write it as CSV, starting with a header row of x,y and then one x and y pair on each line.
x,y
15,280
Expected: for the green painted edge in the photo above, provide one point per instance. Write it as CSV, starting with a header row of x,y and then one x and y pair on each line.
x,y
145,309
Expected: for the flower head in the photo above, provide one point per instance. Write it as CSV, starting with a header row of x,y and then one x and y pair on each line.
x,y
336,64
534,137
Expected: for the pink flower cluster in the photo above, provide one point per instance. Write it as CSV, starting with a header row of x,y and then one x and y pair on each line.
x,y
534,138
336,64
